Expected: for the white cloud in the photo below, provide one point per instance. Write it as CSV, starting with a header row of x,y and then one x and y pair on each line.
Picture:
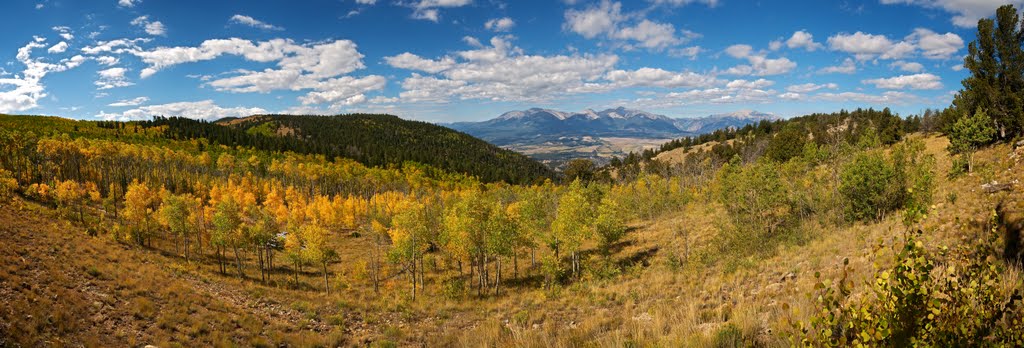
x,y
60,47
64,32
366,2
966,13
253,22
500,24
24,91
411,61
803,39
739,51
868,46
502,72
112,78
775,45
130,102
759,64
847,67
119,46
108,60
201,110
745,84
686,52
916,81
654,77
934,45
791,96
903,65
627,30
707,96
428,9
128,3
318,68
888,98
710,3
810,87
155,28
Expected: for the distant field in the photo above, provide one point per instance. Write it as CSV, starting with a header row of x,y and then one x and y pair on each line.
x,y
601,150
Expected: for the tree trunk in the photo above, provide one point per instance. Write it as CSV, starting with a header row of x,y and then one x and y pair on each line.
x,y
497,275
327,284
515,265
238,261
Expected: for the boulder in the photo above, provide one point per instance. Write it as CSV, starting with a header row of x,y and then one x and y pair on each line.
x,y
994,187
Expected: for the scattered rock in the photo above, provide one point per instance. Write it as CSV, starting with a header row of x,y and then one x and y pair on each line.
x,y
1019,144
643,317
773,288
995,186
709,328
788,276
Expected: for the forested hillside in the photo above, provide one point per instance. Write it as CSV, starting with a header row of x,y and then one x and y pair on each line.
x,y
373,140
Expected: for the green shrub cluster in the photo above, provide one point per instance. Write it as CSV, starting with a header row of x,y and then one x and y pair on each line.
x,y
944,298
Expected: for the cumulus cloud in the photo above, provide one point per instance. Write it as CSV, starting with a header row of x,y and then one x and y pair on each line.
x,y
112,78
58,48
913,67
966,13
711,3
865,46
707,96
847,67
201,110
319,69
253,22
500,24
916,81
155,28
130,102
411,61
107,60
118,46
803,39
500,72
934,45
887,98
686,52
64,32
745,84
24,91
810,87
606,20
759,63
429,9
128,3
654,77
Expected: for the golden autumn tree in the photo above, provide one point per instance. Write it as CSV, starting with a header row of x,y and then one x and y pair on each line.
x,y
140,203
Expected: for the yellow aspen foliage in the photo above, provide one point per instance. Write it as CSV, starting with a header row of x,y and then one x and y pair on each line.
x,y
8,185
140,203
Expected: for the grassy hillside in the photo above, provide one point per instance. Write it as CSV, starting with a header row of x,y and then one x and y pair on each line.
x,y
667,282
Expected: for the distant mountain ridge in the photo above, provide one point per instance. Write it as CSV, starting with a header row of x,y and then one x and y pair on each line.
x,y
539,125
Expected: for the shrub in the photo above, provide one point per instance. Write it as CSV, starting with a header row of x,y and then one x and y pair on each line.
x,y
917,303
870,185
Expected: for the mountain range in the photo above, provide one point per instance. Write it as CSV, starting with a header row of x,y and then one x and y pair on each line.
x,y
539,125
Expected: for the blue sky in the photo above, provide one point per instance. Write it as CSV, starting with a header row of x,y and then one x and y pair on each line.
x,y
460,60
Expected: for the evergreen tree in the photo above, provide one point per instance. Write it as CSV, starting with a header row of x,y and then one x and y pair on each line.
x,y
996,63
